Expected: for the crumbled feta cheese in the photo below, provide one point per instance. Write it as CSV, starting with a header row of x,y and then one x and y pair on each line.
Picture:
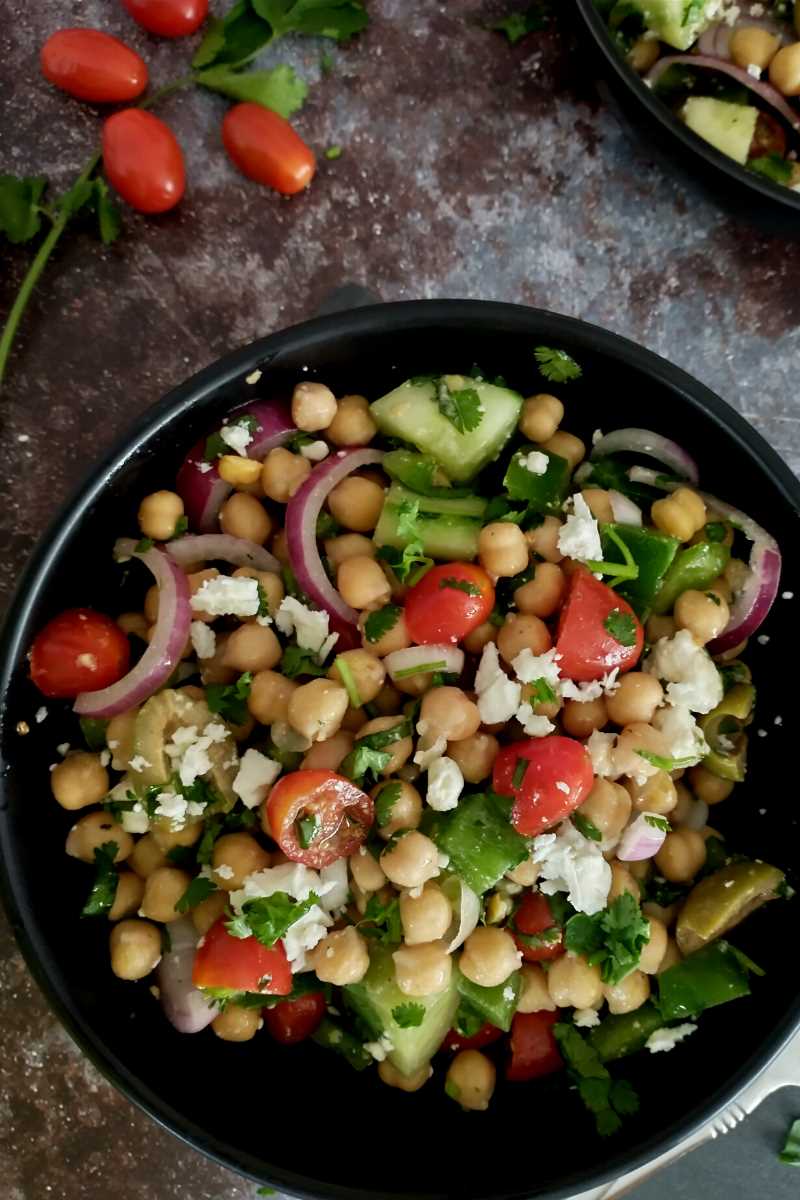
x,y
762,639
787,595
63,749
139,763
684,738
761,732
253,377
533,724
238,437
579,536
778,721
380,1048
593,690
569,862
224,871
188,749
315,451
227,596
204,640
298,882
757,10
692,678
310,627
256,775
585,1018
445,784
172,806
535,461
601,751
336,885
754,70
203,467
41,715
667,1039
498,696
508,994
530,667
597,436
105,758
304,934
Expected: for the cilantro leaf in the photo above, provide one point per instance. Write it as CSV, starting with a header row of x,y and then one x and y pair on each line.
x,y
298,661
404,561
622,627
333,152
198,890
556,365
657,822
20,218
382,921
230,699
307,830
586,827
715,531
109,218
181,527
408,1016
338,19
268,917
612,939
541,692
381,622
104,888
235,39
362,761
279,89
77,197
517,24
772,166
606,1098
460,585
790,1155
407,519
143,545
385,801
461,406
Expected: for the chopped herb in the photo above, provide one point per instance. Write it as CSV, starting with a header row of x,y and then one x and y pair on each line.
x,y
519,772
198,890
461,585
94,732
467,1020
656,890
462,407
307,830
143,545
715,531
556,365
362,761
210,834
538,941
660,823
408,519
628,569
496,618
408,1016
291,586
611,939
381,622
421,669
263,601
382,921
666,764
606,1098
104,888
297,661
772,166
516,25
327,526
586,827
229,700
541,692
333,152
181,527
385,801
714,597
215,448
404,561
790,1155
268,917
348,679
622,627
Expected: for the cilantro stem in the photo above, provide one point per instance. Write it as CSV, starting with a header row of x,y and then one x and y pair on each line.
x,y
177,85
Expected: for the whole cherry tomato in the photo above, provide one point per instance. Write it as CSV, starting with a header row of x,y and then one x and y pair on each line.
x,y
293,1021
168,18
265,148
93,66
548,778
143,161
597,630
80,650
448,603
240,964
317,817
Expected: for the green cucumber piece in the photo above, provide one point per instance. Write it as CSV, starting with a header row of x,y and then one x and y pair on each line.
x,y
652,552
448,528
496,1005
542,493
728,127
418,472
480,840
677,22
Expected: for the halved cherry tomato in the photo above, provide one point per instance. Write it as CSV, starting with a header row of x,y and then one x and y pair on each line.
x,y
94,66
534,1050
293,1021
532,919
265,148
80,650
240,964
168,18
143,161
339,814
448,603
592,622
769,137
484,1037
558,777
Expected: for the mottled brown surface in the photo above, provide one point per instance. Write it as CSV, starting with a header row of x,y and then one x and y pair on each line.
x,y
469,169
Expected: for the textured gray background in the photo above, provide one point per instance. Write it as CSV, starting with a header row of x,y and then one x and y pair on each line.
x,y
469,169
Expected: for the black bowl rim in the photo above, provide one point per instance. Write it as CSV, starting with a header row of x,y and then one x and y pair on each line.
x,y
448,313
692,142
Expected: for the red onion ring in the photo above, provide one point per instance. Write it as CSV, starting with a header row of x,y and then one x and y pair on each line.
x,y
412,657
184,1005
221,547
166,645
623,509
641,840
301,535
765,90
654,445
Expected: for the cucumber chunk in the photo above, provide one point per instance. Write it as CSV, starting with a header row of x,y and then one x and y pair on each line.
x,y
677,22
448,529
728,127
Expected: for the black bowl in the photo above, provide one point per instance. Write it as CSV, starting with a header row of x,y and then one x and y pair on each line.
x,y
775,209
298,1117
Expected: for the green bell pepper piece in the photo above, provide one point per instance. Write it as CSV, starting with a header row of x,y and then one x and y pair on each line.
x,y
496,1005
652,552
419,473
711,976
480,840
542,493
724,731
695,567
334,1037
618,1036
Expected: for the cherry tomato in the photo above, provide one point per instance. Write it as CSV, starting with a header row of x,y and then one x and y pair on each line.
x,y
769,137
240,964
80,650
556,780
534,1049
328,812
143,161
448,603
265,148
168,18
93,66
533,918
293,1021
592,622
484,1037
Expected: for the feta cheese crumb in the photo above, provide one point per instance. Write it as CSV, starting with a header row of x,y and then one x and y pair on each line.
x,y
105,758
380,1048
585,1018
597,436
535,461
41,715
188,749
445,784
754,70
667,1039
579,536
684,737
203,467
225,596
224,871
692,678
254,376
787,595
601,751
63,749
530,667
763,639
569,862
204,640
139,763
498,696
508,994
310,627
255,776
532,723
315,451
238,437
172,807
778,721
593,690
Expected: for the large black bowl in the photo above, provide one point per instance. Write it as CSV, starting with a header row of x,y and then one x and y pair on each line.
x,y
299,1118
774,208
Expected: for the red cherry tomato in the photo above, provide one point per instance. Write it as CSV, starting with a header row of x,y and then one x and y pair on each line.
x,y
168,18
265,148
93,66
80,650
556,780
534,1050
769,137
484,1037
448,603
592,621
293,1021
339,815
533,918
143,161
241,964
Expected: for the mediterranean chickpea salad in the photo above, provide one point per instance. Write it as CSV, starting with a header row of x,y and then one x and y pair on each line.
x,y
411,745
729,69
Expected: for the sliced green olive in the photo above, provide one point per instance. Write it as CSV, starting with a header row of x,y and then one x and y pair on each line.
x,y
724,730
157,721
722,900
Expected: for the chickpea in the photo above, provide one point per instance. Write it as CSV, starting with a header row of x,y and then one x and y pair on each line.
x,y
390,1075
636,699
235,856
283,473
657,794
736,574
316,709
341,957
388,700
479,637
425,918
471,1079
236,1023
120,736
348,545
239,471
542,595
147,856
422,970
581,718
353,719
158,515
683,805
134,624
135,948
502,549
313,406
406,810
362,583
128,896
328,756
525,874
635,737
280,547
162,891
489,956
356,503
653,952
474,755
629,994
79,780
367,672
709,788
243,516
543,540
167,838
622,881
196,581
599,503
680,515
411,861
251,648
269,697
533,994
643,54
784,70
681,855
352,425
541,416
522,631
704,614
567,446
93,831
659,627
573,983
666,915
608,807
640,870
366,871
450,714
399,750
395,638
208,911
672,956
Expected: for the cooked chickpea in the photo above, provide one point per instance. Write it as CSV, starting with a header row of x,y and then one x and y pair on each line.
x,y
659,627
522,631
128,896
608,807
633,738
269,697
471,1079
239,471
635,700
666,915
280,547
93,831
450,714
406,810
479,637
235,856
643,54
147,856
390,1075
399,750
252,648
425,917
328,756
658,793
736,574
120,735
243,516
672,956
158,515
784,70
353,719
135,948
682,855
489,956
542,595
356,503
348,545
236,1023
352,425
208,911
341,957
534,995
653,952
316,709
134,624
167,838
162,891
599,503
573,983
708,787
581,718
411,861
704,614
629,994
541,416
283,473
366,671
502,548
622,881
362,583
313,406
395,638
196,580
567,446
79,780
422,970
366,871
474,755
543,540
680,515
525,874
684,805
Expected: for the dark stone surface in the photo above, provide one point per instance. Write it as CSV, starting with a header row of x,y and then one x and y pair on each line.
x,y
469,169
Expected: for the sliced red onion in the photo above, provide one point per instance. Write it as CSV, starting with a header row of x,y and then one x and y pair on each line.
x,y
221,547
765,90
653,445
716,40
166,645
448,658
624,510
185,1006
466,911
652,478
301,533
641,839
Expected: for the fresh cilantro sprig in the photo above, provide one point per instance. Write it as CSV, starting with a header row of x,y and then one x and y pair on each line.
x,y
381,622
607,1099
408,1016
460,585
516,25
364,760
229,700
296,660
382,921
198,890
626,570
385,801
267,918
622,627
104,888
408,564
556,365
461,406
666,764
611,939
586,827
